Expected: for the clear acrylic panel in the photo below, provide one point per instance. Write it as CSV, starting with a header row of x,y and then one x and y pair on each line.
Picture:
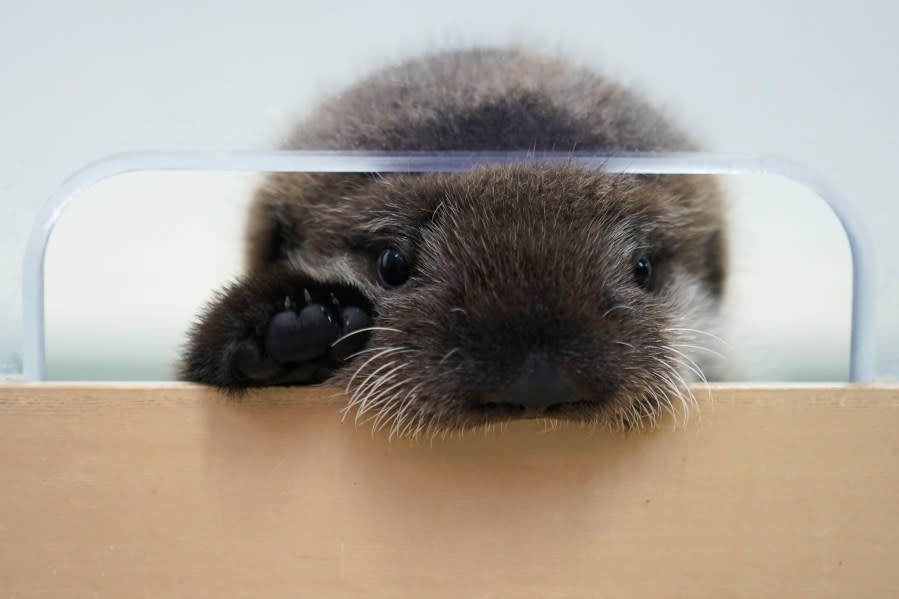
x,y
137,254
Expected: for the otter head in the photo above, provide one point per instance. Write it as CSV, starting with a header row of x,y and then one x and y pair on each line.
x,y
514,292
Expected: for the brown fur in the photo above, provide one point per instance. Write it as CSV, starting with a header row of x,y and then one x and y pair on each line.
x,y
506,260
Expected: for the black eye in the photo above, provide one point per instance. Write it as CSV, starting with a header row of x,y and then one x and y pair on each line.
x,y
393,268
643,272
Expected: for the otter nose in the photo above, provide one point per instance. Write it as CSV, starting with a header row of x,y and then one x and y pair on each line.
x,y
541,384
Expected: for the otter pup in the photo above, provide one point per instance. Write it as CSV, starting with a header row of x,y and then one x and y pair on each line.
x,y
448,301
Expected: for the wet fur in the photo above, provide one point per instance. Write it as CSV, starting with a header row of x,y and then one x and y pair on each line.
x,y
507,260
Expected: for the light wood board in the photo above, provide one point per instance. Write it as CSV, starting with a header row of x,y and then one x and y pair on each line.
x,y
174,491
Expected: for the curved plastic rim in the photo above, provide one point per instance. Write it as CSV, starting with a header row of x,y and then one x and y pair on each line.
x,y
862,356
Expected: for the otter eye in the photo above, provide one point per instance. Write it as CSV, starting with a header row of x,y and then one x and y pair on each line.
x,y
393,268
643,272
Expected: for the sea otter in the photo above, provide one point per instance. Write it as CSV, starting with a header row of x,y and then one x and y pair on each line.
x,y
449,301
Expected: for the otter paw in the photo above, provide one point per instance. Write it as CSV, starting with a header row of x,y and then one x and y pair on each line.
x,y
276,331
302,345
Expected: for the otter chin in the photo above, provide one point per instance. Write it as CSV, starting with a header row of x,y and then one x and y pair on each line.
x,y
444,302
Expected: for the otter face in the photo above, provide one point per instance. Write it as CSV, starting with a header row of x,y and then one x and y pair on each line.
x,y
523,292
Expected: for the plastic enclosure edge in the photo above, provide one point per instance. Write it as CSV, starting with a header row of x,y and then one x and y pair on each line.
x,y
862,345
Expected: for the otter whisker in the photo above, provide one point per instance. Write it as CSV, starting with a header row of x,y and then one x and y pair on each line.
x,y
419,427
399,420
376,349
447,355
410,420
358,391
359,397
365,330
408,428
690,366
384,417
664,403
364,407
669,376
684,356
687,362
618,307
687,386
385,378
367,351
384,351
699,348
383,399
383,402
444,431
673,401
646,411
419,417
371,402
388,413
696,369
423,424
378,406
367,395
660,399
697,332
682,416
685,393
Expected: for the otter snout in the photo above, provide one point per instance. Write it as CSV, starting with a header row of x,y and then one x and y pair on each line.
x,y
541,384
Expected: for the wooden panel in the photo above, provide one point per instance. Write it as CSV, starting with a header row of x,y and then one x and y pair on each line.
x,y
170,490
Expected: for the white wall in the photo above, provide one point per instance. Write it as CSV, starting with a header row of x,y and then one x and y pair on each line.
x,y
818,82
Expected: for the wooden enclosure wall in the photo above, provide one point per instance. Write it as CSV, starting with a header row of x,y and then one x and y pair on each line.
x,y
173,491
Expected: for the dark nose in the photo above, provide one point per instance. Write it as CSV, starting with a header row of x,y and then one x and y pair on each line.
x,y
540,385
